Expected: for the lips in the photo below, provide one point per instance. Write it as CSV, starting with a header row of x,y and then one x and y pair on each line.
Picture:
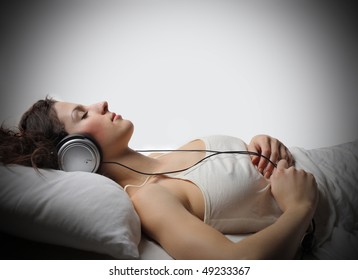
x,y
116,117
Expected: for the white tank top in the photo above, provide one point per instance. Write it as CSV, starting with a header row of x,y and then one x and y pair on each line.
x,y
237,197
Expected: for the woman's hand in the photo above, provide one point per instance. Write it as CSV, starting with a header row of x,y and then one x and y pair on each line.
x,y
271,148
293,188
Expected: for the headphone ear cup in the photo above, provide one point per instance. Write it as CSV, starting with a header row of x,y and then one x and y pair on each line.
x,y
78,152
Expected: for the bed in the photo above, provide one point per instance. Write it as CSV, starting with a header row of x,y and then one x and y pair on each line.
x,y
48,214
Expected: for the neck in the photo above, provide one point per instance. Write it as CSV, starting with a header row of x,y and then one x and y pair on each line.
x,y
122,175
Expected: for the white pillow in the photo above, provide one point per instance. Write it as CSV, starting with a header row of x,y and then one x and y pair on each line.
x,y
74,209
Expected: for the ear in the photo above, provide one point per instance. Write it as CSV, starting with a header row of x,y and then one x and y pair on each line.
x,y
78,152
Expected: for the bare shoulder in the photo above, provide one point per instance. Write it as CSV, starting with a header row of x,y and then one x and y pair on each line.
x,y
196,144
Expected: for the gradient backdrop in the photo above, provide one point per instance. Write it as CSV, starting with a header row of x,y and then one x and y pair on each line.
x,y
188,68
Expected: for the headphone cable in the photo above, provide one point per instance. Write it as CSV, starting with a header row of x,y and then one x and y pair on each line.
x,y
214,153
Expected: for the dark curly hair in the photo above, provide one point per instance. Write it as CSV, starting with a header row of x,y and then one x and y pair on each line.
x,y
34,142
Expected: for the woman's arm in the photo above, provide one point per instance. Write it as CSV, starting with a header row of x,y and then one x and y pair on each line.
x,y
296,193
184,236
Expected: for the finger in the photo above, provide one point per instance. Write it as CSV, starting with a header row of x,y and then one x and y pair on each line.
x,y
268,174
264,148
274,157
282,164
254,158
269,170
286,154
283,153
266,152
291,160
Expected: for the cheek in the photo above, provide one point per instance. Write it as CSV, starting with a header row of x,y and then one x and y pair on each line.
x,y
109,137
96,130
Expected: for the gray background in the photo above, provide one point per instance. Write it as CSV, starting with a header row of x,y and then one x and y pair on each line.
x,y
185,69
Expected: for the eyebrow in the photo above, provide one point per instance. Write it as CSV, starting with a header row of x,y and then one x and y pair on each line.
x,y
77,108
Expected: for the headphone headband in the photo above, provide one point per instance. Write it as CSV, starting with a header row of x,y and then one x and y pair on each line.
x,y
78,152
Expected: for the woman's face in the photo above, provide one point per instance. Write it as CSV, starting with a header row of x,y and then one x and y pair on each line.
x,y
111,131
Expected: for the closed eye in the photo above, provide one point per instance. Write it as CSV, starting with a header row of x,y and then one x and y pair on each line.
x,y
79,113
85,115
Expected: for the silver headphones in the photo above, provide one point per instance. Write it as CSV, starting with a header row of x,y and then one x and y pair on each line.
x,y
78,152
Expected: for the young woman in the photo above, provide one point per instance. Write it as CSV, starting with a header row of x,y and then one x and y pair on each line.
x,y
186,212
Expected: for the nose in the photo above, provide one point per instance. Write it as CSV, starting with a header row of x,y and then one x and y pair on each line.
x,y
103,107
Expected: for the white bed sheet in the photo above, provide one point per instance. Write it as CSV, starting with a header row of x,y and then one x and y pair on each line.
x,y
150,250
336,171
